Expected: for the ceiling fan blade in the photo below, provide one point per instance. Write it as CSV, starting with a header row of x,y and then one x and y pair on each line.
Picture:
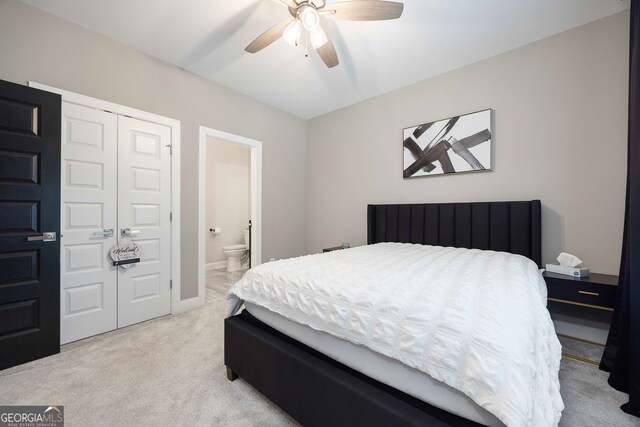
x,y
364,10
289,3
268,37
328,54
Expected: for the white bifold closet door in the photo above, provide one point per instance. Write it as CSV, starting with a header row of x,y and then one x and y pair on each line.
x,y
116,178
89,287
144,206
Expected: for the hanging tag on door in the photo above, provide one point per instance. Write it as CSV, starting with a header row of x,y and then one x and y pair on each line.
x,y
125,255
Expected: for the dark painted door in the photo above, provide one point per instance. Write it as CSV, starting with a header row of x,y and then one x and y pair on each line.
x,y
29,211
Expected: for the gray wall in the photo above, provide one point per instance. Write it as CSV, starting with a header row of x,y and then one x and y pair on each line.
x,y
560,126
40,47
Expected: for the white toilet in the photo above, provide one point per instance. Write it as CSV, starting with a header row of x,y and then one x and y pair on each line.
x,y
234,253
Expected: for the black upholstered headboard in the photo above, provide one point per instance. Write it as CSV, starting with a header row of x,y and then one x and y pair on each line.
x,y
500,226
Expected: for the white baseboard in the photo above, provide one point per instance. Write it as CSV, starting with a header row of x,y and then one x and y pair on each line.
x,y
215,265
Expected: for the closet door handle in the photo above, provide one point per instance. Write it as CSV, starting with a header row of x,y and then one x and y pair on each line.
x,y
45,237
129,232
107,232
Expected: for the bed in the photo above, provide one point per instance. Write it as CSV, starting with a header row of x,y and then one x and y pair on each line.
x,y
412,329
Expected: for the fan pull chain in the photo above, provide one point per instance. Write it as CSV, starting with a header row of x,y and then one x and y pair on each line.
x,y
306,44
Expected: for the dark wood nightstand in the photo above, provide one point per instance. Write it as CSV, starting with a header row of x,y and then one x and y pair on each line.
x,y
597,291
594,292
335,248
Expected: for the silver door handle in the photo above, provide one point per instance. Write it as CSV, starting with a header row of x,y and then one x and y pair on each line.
x,y
129,232
45,237
107,232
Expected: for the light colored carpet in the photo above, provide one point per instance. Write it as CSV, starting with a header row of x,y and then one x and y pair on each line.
x,y
169,371
588,399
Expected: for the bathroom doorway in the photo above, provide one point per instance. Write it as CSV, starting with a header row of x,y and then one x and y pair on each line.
x,y
229,226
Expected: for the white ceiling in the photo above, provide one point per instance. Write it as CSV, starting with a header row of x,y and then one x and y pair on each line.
x,y
208,37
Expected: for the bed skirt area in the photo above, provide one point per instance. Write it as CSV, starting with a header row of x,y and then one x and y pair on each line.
x,y
316,390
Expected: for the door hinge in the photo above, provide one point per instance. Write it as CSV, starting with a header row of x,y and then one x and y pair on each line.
x,y
170,149
170,284
170,216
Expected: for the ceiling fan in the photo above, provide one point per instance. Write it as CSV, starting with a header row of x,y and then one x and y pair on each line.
x,y
307,13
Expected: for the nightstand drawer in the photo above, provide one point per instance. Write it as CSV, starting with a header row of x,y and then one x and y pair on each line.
x,y
581,292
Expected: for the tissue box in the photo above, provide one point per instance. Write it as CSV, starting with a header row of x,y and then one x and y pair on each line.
x,y
569,271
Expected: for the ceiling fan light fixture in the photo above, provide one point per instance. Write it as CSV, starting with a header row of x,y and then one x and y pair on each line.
x,y
318,38
306,14
292,32
309,17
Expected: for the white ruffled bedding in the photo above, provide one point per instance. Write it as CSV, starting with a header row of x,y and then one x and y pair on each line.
x,y
475,320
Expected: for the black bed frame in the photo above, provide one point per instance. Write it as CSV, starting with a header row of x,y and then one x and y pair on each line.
x,y
318,391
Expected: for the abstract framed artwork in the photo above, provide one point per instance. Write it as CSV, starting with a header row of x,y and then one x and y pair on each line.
x,y
455,145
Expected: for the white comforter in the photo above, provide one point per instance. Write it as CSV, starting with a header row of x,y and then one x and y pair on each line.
x,y
476,320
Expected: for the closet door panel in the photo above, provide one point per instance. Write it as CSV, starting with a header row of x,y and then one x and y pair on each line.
x,y
29,219
144,200
88,297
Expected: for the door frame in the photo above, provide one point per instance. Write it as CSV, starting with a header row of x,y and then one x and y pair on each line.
x,y
255,147
177,305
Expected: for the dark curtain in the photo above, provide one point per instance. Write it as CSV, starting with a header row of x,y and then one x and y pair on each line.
x,y
622,353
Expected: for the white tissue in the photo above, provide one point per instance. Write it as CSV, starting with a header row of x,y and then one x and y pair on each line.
x,y
568,260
